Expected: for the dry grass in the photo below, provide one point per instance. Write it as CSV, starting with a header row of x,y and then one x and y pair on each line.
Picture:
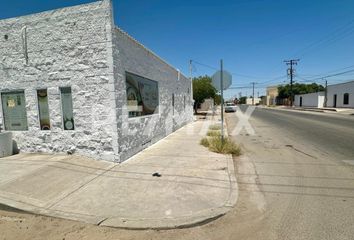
x,y
226,147
204,142
214,133
216,145
215,127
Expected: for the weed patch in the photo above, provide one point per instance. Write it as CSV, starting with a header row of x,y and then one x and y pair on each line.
x,y
216,145
214,133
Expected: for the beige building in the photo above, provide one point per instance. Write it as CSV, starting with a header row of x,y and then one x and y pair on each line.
x,y
249,101
208,104
272,93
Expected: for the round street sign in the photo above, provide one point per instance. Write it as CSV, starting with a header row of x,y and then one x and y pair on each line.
x,y
227,80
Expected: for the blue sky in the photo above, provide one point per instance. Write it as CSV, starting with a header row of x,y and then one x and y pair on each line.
x,y
253,37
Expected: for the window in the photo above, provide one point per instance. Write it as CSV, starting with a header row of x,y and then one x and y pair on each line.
x,y
14,109
346,98
67,108
173,104
142,95
43,109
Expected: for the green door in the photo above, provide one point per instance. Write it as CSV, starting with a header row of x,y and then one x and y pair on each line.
x,y
14,109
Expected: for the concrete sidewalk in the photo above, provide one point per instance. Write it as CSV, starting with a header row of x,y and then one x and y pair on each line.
x,y
338,111
195,185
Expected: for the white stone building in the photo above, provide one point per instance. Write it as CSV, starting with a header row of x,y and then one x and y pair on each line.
x,y
341,95
71,80
310,100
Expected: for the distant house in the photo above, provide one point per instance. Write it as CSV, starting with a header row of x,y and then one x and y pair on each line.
x,y
208,104
249,101
341,95
272,94
338,96
310,100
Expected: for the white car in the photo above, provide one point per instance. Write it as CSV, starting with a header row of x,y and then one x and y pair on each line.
x,y
230,107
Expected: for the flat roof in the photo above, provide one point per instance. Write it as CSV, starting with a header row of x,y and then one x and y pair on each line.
x,y
341,83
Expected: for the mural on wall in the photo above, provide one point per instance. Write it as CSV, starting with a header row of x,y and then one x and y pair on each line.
x,y
142,95
14,110
43,109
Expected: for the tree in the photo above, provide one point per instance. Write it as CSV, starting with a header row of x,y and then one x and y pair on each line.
x,y
242,100
299,88
217,99
202,89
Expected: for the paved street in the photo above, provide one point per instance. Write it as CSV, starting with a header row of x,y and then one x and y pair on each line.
x,y
296,177
329,132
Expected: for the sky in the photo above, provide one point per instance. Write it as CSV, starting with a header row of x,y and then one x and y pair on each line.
x,y
253,37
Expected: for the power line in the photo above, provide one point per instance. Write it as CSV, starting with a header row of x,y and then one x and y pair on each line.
x,y
303,77
274,79
205,65
330,38
234,74
268,81
332,75
316,75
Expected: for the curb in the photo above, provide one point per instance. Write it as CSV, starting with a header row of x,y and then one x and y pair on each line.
x,y
198,218
193,220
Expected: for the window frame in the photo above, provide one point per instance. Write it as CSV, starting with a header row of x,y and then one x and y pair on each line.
x,y
3,112
184,102
62,112
173,104
38,110
130,118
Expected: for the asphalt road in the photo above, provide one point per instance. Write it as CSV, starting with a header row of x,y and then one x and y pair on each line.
x,y
296,177
331,133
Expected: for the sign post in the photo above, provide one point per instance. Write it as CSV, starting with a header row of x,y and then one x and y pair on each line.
x,y
221,81
222,101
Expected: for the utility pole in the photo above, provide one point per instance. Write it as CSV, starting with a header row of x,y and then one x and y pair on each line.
x,y
291,73
191,77
326,97
253,83
222,100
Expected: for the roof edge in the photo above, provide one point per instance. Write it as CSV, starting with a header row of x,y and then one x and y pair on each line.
x,y
148,50
4,20
341,83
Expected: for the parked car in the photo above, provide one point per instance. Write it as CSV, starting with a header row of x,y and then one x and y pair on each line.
x,y
230,107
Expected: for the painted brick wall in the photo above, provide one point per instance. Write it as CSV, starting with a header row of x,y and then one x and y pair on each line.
x,y
80,47
66,47
139,132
